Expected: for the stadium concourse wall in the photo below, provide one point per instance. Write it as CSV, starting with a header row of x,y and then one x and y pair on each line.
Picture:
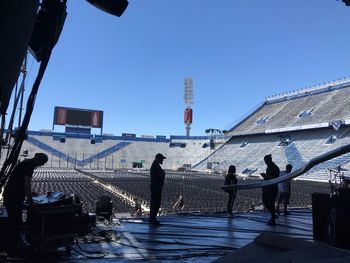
x,y
114,152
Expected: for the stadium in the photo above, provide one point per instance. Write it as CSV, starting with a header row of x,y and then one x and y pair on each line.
x,y
90,165
297,127
308,128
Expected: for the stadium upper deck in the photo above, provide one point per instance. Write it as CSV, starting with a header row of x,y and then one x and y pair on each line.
x,y
315,107
294,127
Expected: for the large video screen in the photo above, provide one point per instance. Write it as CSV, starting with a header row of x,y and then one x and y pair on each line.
x,y
83,117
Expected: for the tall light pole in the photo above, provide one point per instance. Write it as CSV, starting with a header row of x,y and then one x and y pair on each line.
x,y
188,96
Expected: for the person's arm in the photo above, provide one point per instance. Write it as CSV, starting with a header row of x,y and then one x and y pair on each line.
x,y
161,172
263,175
28,188
269,174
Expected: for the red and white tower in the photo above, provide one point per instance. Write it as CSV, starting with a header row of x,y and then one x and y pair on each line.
x,y
188,96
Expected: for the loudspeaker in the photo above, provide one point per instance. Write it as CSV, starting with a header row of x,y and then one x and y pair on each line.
x,y
113,7
17,18
48,26
62,139
92,141
320,215
339,227
346,2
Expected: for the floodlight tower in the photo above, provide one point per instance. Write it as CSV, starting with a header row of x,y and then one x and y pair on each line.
x,y
188,96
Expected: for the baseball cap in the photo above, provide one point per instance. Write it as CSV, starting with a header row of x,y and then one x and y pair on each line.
x,y
159,155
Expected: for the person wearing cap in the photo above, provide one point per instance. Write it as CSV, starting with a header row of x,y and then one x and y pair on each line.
x,y
269,193
157,182
18,188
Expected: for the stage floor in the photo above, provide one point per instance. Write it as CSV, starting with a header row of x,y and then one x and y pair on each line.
x,y
182,237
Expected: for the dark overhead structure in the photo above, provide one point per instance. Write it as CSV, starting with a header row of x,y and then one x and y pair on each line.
x,y
36,21
50,18
36,28
13,46
33,25
113,7
346,2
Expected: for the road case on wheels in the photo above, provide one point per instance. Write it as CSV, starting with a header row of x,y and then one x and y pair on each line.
x,y
52,225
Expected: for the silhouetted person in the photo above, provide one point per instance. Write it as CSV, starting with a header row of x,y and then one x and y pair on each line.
x,y
179,204
137,208
157,182
230,179
269,193
284,191
18,188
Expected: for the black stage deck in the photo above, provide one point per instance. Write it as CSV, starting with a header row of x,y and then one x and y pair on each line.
x,y
182,237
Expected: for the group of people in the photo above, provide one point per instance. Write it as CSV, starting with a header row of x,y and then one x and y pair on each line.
x,y
18,188
271,193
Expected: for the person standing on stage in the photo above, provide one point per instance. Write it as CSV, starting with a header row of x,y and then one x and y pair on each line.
x,y
157,182
231,179
284,191
269,193
17,189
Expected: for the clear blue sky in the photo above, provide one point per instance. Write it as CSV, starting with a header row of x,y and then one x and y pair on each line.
x,y
237,51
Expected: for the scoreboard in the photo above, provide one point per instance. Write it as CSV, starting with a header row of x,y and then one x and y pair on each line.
x,y
73,116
